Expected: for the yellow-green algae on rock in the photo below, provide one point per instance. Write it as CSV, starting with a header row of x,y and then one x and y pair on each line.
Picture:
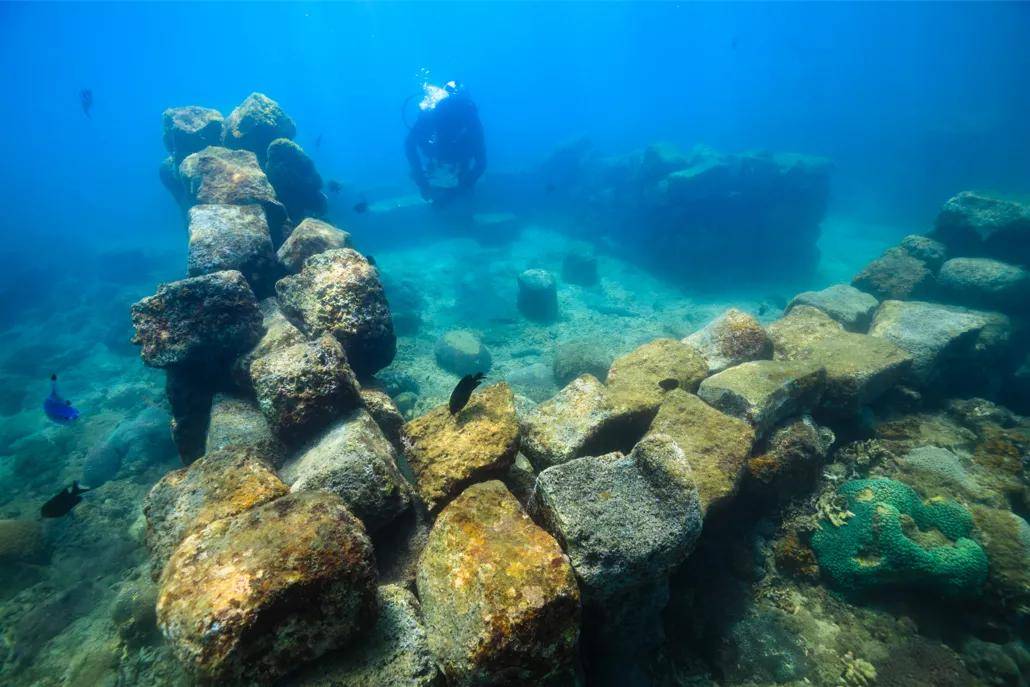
x,y
499,598
634,379
448,452
253,597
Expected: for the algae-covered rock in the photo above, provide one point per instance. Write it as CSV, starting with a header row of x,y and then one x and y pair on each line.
x,y
232,237
639,380
460,351
730,339
930,251
190,129
221,176
1005,538
891,539
252,597
842,302
579,420
895,275
578,357
449,452
385,413
974,224
538,295
237,421
255,123
304,387
356,462
295,180
278,333
394,653
790,459
715,445
218,485
499,597
764,392
794,334
21,541
985,282
339,292
310,237
197,320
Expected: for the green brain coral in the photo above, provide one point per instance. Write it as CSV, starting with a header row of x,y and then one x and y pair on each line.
x,y
894,539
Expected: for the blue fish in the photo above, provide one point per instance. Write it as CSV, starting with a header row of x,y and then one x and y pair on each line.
x,y
58,409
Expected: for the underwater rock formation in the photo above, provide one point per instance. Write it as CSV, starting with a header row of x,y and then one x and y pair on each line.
x,y
200,320
579,269
577,357
852,308
252,597
296,182
449,452
637,381
460,351
238,422
339,292
930,251
190,129
972,225
499,598
983,282
278,333
895,275
730,339
386,414
538,295
310,237
232,237
255,123
790,460
353,460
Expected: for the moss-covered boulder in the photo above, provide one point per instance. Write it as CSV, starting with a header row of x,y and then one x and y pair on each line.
x,y
449,452
255,123
730,339
794,334
461,352
310,237
895,275
221,176
929,250
715,445
577,357
974,224
499,598
787,464
238,421
1005,538
339,292
252,597
987,283
538,295
893,539
232,237
221,484
278,333
639,380
765,392
189,129
296,181
842,302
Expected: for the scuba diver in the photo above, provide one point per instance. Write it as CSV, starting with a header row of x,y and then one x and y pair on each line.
x,y
449,137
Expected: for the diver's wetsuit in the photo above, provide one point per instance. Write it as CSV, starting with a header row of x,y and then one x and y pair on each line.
x,y
448,135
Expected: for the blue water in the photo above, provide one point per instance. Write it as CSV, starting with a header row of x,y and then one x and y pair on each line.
x,y
909,104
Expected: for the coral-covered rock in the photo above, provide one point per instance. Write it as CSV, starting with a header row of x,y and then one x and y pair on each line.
x,y
252,597
21,541
895,275
578,357
310,237
385,413
354,461
304,387
794,334
232,237
1005,538
639,380
190,129
394,653
790,460
221,484
499,597
295,179
765,392
731,338
538,295
579,269
255,123
220,176
845,304
339,292
237,421
461,352
579,420
986,282
197,320
278,333
715,445
973,224
938,336
449,452
930,251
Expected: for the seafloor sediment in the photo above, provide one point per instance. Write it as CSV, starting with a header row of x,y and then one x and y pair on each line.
x,y
650,487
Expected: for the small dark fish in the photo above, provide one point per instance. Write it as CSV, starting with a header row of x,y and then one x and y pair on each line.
x,y
318,142
62,504
463,391
361,207
334,186
669,384
58,409
86,100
